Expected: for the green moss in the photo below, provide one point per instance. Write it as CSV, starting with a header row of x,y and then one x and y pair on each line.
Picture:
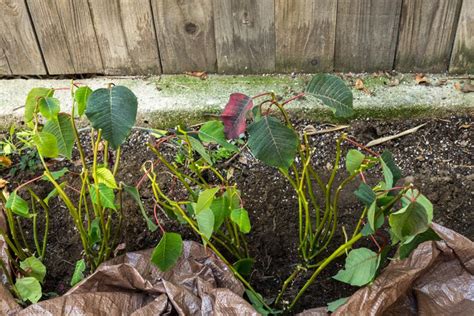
x,y
170,84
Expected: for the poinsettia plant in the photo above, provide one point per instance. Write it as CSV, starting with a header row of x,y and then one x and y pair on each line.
x,y
95,206
400,209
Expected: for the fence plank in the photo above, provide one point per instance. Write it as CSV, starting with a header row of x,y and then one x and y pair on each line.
x,y
305,35
21,54
427,31
66,36
185,32
462,58
126,36
366,34
245,35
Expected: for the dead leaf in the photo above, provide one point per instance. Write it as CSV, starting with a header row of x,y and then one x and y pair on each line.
x,y
421,79
465,126
387,138
200,74
457,86
243,160
3,183
468,87
5,161
442,82
394,82
359,84
120,247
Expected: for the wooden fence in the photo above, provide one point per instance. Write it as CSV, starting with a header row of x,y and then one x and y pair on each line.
x,y
125,37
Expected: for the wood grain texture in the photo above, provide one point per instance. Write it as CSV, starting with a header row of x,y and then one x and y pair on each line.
x,y
66,36
19,50
185,32
305,35
126,36
462,57
427,30
366,34
245,35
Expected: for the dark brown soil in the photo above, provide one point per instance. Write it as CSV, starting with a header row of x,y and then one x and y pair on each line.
x,y
438,156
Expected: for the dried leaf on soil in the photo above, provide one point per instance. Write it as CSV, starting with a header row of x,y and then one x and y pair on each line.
x,y
5,161
200,74
421,79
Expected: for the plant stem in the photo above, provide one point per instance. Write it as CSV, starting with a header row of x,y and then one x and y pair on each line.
x,y
339,251
287,282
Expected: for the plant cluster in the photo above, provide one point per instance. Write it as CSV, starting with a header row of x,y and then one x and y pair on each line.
x,y
201,193
272,139
93,206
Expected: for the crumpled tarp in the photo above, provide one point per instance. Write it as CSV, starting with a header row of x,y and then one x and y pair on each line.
x,y
436,279
199,284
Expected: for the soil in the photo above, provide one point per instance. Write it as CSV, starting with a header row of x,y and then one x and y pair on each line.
x,y
437,158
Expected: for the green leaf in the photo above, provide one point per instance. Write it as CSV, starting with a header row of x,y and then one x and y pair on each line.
x,y
34,268
387,157
244,266
205,199
256,301
220,210
213,132
78,274
241,218
49,107
167,252
114,111
405,250
63,131
47,144
333,92
360,268
95,234
33,98
53,193
205,220
81,96
420,198
354,159
106,196
371,215
18,206
365,194
29,289
105,176
197,146
133,191
272,142
56,174
332,306
410,221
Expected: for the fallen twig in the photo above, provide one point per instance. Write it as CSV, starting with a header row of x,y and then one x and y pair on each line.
x,y
311,130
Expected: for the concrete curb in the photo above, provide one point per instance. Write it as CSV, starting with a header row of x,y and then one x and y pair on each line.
x,y
168,99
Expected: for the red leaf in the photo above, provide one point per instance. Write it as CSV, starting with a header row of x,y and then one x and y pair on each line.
x,y
235,113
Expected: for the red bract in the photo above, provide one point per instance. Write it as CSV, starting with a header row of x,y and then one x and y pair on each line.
x,y
234,114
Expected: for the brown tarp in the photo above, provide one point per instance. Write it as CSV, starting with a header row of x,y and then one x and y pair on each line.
x,y
200,284
437,279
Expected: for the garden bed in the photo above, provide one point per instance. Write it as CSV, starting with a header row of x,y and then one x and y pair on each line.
x,y
439,156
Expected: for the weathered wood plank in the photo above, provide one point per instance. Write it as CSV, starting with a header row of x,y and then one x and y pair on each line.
x,y
305,35
462,58
66,36
19,48
427,30
366,34
126,36
185,32
245,35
